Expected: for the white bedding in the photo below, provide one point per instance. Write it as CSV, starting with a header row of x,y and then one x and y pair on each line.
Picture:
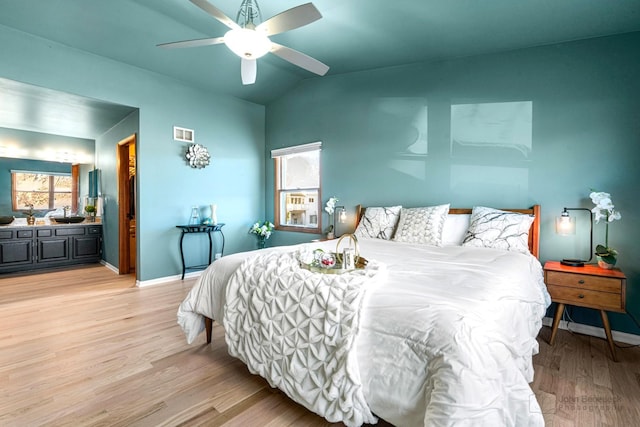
x,y
445,339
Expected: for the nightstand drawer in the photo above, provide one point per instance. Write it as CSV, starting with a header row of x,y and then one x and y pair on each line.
x,y
587,298
584,281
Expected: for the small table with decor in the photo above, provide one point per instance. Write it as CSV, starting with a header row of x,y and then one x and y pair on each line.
x,y
199,228
589,286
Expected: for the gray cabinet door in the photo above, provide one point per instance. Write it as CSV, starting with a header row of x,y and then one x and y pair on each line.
x,y
15,253
86,247
53,250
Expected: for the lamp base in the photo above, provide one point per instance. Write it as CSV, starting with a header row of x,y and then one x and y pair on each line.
x,y
573,262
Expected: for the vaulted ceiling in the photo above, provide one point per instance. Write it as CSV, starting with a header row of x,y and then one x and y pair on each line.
x,y
353,35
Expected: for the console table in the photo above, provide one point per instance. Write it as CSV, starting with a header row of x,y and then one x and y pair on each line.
x,y
201,228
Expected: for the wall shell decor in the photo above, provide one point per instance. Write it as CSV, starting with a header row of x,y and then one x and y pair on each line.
x,y
198,156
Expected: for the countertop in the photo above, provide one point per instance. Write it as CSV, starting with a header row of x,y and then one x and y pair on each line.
x,y
45,222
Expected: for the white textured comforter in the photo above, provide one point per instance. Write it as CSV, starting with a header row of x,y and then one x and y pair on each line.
x,y
445,339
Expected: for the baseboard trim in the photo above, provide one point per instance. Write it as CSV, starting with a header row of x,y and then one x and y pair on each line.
x,y
594,331
153,282
167,279
109,266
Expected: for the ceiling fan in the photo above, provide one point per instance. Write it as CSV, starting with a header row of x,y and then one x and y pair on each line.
x,y
248,36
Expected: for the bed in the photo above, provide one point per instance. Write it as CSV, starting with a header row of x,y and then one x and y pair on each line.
x,y
438,332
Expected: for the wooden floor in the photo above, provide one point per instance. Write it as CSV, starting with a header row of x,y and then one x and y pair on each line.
x,y
85,347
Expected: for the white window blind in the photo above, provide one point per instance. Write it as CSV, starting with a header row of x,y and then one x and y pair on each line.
x,y
296,149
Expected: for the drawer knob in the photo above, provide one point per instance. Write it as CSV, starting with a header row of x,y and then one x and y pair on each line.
x,y
580,296
581,281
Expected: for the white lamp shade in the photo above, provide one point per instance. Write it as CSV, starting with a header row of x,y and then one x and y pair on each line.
x,y
565,225
247,43
342,218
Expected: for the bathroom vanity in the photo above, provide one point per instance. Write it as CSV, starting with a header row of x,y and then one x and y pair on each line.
x,y
48,245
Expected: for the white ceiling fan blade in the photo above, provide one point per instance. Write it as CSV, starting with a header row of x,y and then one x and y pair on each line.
x,y
193,43
290,19
299,59
248,70
216,13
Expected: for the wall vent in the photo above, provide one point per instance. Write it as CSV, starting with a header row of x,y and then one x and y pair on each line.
x,y
183,134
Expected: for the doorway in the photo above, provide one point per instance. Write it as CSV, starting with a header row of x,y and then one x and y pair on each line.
x,y
127,204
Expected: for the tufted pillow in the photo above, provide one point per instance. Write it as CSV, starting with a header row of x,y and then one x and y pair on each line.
x,y
493,228
422,225
379,223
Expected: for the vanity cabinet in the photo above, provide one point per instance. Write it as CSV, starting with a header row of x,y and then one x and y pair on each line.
x,y
30,248
16,249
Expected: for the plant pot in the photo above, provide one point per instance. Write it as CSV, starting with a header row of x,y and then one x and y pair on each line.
x,y
604,264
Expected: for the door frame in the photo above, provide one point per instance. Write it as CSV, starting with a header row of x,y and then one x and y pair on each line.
x,y
122,168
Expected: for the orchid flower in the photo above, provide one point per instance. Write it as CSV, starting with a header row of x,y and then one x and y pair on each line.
x,y
331,205
604,209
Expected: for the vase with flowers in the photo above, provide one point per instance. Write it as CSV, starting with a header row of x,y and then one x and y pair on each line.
x,y
330,208
263,231
604,209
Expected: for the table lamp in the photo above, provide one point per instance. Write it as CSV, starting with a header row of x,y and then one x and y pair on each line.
x,y
566,225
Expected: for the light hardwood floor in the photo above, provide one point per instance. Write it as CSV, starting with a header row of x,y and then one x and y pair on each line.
x,y
85,347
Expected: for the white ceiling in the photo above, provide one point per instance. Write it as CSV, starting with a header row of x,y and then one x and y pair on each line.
x,y
353,35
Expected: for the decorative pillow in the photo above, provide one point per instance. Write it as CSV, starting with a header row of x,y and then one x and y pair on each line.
x,y
422,225
455,228
378,223
493,228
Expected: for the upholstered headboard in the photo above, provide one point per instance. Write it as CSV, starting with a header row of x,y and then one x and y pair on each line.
x,y
534,231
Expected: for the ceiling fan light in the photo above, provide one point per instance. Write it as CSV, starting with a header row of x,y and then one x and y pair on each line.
x,y
246,43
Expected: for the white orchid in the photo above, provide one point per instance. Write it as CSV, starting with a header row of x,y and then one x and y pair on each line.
x,y
331,205
604,209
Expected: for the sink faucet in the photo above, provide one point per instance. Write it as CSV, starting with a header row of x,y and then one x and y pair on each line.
x,y
65,209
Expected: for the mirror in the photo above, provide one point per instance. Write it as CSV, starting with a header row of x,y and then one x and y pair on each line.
x,y
32,122
39,152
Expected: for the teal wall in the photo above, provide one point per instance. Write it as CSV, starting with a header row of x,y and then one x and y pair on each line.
x,y
585,131
106,162
9,164
232,130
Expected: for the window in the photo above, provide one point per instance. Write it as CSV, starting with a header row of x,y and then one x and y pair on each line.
x,y
297,187
43,190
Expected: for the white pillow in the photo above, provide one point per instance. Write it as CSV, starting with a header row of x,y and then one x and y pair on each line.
x,y
379,222
455,228
422,225
493,228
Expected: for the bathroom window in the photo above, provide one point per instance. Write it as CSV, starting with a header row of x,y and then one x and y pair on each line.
x,y
43,190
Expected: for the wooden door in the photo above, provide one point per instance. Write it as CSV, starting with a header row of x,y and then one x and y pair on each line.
x,y
127,204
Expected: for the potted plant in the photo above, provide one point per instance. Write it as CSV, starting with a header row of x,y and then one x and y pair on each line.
x,y
604,209
91,210
31,219
330,208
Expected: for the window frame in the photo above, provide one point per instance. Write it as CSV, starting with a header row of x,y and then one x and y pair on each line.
x,y
74,187
278,190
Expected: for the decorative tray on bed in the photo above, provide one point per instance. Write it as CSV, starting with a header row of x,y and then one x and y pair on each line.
x,y
338,262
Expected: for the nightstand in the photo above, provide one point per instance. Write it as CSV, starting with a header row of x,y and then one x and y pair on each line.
x,y
589,286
